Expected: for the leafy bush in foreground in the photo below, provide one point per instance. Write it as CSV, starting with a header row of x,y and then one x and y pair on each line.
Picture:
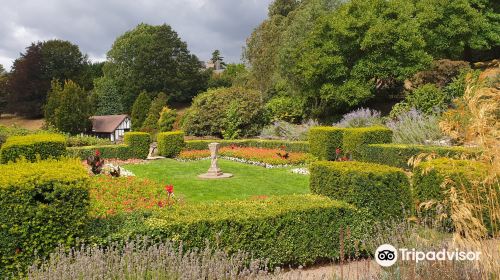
x,y
31,147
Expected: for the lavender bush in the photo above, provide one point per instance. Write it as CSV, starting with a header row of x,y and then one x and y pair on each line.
x,y
414,127
360,118
287,131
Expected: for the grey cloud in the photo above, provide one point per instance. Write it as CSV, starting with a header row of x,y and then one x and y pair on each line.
x,y
94,24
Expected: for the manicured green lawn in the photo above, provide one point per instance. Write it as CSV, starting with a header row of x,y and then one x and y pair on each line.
x,y
248,180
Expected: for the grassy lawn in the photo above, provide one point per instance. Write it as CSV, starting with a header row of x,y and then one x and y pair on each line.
x,y
248,181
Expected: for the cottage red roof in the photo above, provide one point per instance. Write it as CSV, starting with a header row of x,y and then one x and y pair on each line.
x,y
107,124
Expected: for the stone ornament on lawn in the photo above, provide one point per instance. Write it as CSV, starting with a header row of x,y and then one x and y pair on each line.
x,y
214,172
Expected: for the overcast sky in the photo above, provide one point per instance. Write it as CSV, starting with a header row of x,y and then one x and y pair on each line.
x,y
94,24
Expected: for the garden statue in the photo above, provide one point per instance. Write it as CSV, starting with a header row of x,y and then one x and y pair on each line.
x,y
214,172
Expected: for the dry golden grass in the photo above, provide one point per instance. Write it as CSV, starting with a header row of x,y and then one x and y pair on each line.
x,y
31,124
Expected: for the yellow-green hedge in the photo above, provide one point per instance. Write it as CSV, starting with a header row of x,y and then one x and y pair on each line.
x,y
383,190
324,140
42,204
355,139
170,144
291,146
31,147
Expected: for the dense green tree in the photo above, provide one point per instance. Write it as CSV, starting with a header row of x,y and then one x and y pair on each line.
x,y
32,73
282,7
68,108
154,59
233,75
140,110
107,101
91,72
3,89
217,57
167,119
356,48
151,122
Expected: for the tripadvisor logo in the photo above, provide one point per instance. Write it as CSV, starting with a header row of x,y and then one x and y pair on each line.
x,y
387,255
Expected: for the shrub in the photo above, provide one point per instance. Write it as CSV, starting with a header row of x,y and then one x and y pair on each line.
x,y
296,229
151,122
138,143
427,98
287,131
356,138
383,190
33,146
140,110
324,141
284,108
42,205
209,110
85,140
360,118
414,127
170,144
7,131
398,155
292,146
167,119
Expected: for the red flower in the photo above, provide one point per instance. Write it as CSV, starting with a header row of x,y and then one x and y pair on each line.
x,y
97,153
160,204
169,188
283,147
338,151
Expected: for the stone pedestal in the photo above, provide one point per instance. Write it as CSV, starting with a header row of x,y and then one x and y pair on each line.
x,y
214,172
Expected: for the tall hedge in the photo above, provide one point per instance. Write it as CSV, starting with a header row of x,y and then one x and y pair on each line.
x,y
398,154
356,138
170,144
383,190
286,230
138,143
33,146
324,140
42,204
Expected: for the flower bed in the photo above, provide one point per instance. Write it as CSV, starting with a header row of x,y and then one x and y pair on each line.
x,y
265,156
110,195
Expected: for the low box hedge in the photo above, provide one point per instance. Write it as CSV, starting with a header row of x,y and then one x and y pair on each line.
x,y
31,147
292,146
136,146
170,144
42,204
324,141
398,154
286,230
355,139
383,190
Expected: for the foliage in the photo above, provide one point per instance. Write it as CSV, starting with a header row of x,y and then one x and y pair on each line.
x,y
232,122
171,67
287,131
360,42
140,110
283,229
427,99
42,205
68,108
86,140
170,144
108,97
138,143
32,72
217,58
360,118
413,127
7,131
440,73
282,7
167,119
324,141
233,75
146,259
33,147
151,122
209,109
284,108
277,156
4,78
383,190
292,146
136,147
356,138
399,155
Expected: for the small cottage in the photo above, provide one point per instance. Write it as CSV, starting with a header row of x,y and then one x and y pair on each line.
x,y
112,127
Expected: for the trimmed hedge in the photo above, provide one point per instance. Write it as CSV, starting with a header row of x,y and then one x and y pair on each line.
x,y
136,146
170,144
287,230
42,204
31,147
324,140
138,143
398,154
383,190
292,146
356,138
